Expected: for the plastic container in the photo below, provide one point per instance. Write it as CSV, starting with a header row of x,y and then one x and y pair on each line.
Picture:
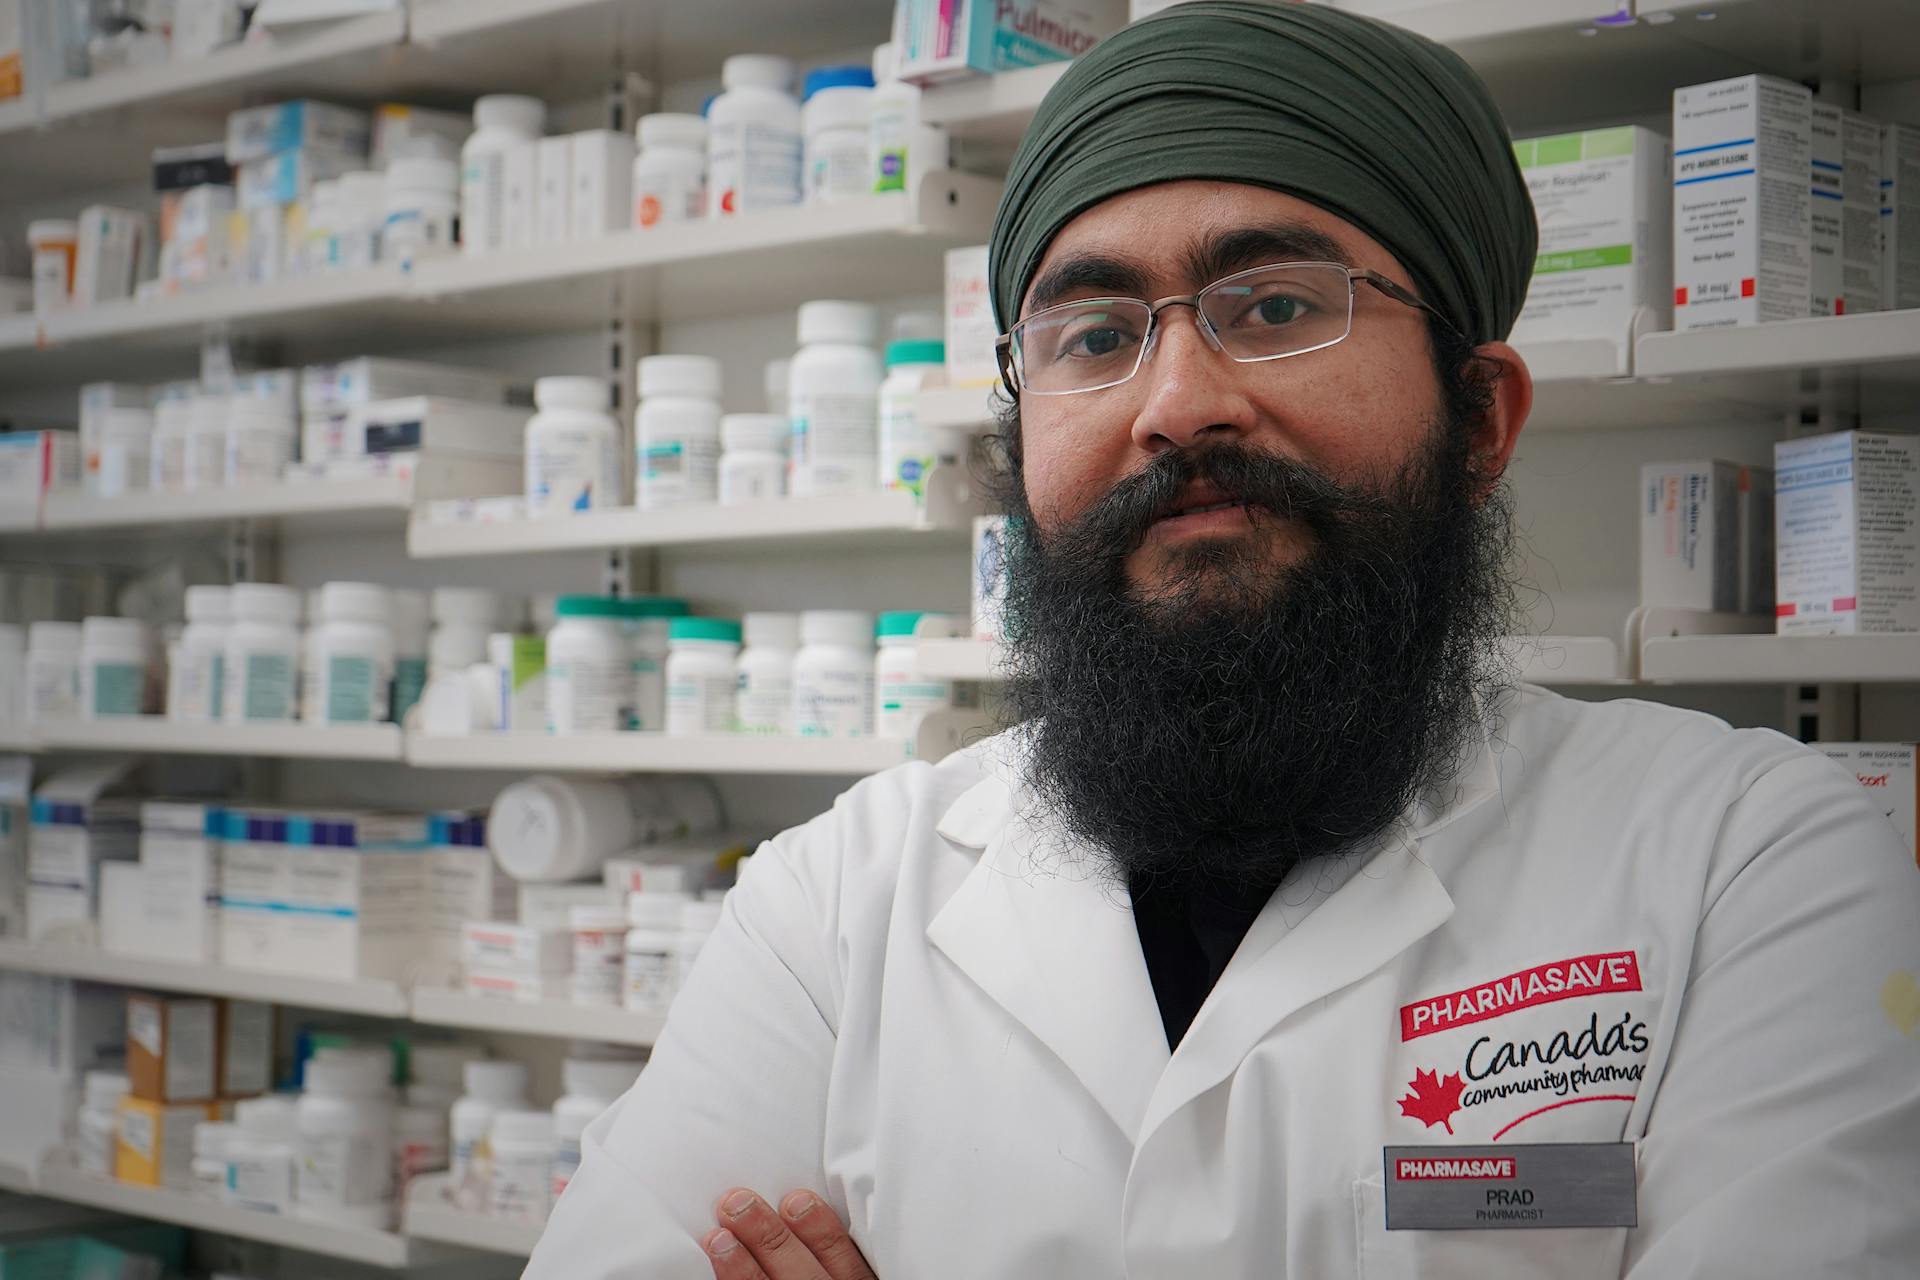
x,y
676,431
589,667
262,436
263,1155
591,1086
420,1142
573,448
262,664
599,954
701,669
362,216
422,209
122,457
212,1141
97,1122
754,138
833,398
345,1120
196,664
13,674
55,243
501,121
438,1071
653,921
907,450
463,618
833,675
522,1176
779,389
491,1087
648,621
205,466
902,695
903,149
698,920
113,667
670,173
167,452
52,671
410,632
835,117
753,458
548,830
354,655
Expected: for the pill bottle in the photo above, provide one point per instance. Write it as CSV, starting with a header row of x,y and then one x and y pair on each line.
x,y
422,209
363,215
670,173
701,660
198,658
753,458
263,1155
572,448
754,138
123,458
212,1140
599,954
436,1072
13,674
779,388
833,398
591,1086
97,1122
314,250
903,149
589,667
522,1176
907,450
548,830
262,664
647,621
205,465
167,455
354,655
902,695
676,431
113,667
463,618
501,122
833,675
52,671
420,1143
491,1087
653,927
345,1121
262,434
410,633
55,243
836,109
698,920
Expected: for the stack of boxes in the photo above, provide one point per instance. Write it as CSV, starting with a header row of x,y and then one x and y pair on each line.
x,y
187,1059
279,154
463,883
81,823
1706,536
371,415
52,1032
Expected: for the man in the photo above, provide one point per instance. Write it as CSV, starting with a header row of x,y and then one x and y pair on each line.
x,y
1287,935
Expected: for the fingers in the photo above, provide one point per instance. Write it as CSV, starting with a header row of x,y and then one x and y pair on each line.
x,y
762,1233
729,1258
820,1229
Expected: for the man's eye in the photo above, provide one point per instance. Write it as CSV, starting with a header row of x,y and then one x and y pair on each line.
x,y
1278,308
1096,342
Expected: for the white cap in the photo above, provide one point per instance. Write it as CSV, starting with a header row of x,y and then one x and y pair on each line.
x,y
174,413
113,632
423,173
355,602
54,635
655,910
213,1137
128,421
754,432
325,193
263,602
364,189
55,229
844,106
13,639
522,1126
105,1089
567,392
496,1081
700,916
779,385
468,606
600,1077
848,627
208,604
409,622
596,917
513,112
757,71
348,1075
680,376
883,63
857,323
917,326
672,129
270,1119
771,630
439,1066
374,1059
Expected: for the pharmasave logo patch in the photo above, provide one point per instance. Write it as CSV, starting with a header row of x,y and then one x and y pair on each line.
x,y
1594,975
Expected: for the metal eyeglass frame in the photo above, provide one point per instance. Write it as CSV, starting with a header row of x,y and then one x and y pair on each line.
x,y
1010,378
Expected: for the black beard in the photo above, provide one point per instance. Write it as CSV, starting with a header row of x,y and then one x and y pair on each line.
x,y
1248,715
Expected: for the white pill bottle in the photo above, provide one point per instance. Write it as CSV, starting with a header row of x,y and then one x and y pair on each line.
x,y
353,652
754,138
833,675
670,173
260,674
501,122
834,400
573,453
676,431
763,683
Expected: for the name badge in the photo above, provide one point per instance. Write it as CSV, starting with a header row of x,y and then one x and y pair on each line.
x,y
1555,1184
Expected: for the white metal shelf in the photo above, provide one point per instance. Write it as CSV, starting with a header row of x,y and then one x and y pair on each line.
x,y
431,1215
443,1007
656,753
65,960
1765,659
157,735
16,737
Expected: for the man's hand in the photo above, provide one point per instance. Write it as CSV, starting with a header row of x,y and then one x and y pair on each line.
x,y
803,1241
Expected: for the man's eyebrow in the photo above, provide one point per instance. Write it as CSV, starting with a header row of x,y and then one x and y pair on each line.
x,y
1248,247
1110,277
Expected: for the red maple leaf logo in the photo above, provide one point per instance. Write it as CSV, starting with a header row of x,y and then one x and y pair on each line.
x,y
1433,1100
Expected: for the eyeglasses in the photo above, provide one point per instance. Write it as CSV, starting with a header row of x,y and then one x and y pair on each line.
x,y
1268,313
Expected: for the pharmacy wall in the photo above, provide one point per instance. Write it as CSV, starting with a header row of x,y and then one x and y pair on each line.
x,y
457,497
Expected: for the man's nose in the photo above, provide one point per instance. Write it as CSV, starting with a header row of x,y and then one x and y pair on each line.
x,y
1192,389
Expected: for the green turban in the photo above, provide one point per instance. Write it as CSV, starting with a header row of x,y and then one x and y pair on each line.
x,y
1380,127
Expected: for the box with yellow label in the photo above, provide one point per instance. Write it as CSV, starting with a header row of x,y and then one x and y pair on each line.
x,y
153,1142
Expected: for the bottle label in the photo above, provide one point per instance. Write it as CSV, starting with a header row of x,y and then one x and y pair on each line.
x,y
700,704
833,704
832,424
585,696
343,1170
117,688
267,687
356,691
763,703
409,679
649,981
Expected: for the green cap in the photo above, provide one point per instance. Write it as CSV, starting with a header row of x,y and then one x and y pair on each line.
x,y
900,623
704,629
650,607
916,351
587,607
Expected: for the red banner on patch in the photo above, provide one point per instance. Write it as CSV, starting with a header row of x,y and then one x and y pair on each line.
x,y
1593,975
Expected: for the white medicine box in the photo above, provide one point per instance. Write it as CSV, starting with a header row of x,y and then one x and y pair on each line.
x,y
1845,214
1847,534
970,331
1605,263
1900,216
601,169
79,822
1886,771
1742,208
179,855
1704,540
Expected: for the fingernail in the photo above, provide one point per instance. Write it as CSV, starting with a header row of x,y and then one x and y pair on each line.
x,y
737,1203
799,1204
722,1244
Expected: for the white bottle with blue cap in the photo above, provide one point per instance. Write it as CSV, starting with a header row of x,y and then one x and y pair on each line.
x,y
837,115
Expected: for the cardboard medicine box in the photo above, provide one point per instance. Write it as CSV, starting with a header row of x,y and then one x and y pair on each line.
x,y
172,1047
1900,216
1845,212
1847,534
153,1142
246,1048
1690,535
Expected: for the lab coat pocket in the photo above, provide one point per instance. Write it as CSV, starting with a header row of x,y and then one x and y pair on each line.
x,y
1583,1253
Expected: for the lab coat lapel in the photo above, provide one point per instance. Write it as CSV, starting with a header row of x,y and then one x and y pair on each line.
x,y
1038,929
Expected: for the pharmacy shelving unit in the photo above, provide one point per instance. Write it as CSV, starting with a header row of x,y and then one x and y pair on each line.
x,y
17,738
443,1007
656,753
431,1215
1773,659
68,960
156,735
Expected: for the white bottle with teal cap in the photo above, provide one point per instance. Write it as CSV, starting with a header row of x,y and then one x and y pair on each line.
x,y
902,694
909,451
701,670
647,621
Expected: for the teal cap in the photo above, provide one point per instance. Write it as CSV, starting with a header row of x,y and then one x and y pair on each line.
x,y
916,351
900,623
704,629
651,607
587,607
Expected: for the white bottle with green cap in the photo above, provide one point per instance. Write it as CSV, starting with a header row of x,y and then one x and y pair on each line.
x,y
702,660
646,621
909,451
902,694
589,668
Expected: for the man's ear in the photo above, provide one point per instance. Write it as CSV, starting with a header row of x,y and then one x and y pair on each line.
x,y
1511,383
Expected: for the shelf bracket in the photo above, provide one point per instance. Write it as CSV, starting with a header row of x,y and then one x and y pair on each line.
x,y
250,552
1823,712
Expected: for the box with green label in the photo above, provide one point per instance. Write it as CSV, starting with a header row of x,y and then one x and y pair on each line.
x,y
1605,264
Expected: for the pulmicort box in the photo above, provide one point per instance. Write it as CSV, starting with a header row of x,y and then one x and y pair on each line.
x,y
1847,534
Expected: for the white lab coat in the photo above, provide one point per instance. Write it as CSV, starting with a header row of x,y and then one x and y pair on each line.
x,y
928,1005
